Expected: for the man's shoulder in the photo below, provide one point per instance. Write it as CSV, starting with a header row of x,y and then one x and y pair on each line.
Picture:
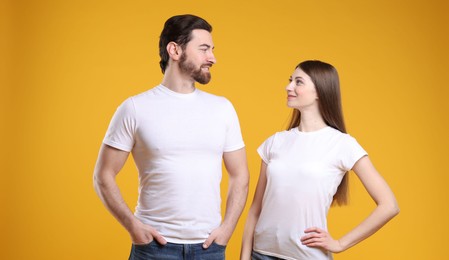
x,y
216,99
143,96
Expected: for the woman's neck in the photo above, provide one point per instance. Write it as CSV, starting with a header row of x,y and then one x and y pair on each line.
x,y
311,122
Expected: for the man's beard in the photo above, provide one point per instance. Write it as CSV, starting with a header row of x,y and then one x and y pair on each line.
x,y
197,74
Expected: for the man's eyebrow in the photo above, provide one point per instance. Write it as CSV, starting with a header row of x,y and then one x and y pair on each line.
x,y
206,45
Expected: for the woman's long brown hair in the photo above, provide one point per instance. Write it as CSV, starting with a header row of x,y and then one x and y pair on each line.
x,y
327,84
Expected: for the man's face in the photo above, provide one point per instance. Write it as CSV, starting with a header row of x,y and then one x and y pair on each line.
x,y
198,57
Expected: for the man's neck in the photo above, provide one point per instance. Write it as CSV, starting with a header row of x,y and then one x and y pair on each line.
x,y
177,82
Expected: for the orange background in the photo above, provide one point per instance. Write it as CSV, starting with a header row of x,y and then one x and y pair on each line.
x,y
66,65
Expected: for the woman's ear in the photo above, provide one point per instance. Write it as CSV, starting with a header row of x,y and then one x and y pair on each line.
x,y
174,50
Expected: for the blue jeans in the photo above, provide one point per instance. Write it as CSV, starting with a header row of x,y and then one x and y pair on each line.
x,y
259,256
172,251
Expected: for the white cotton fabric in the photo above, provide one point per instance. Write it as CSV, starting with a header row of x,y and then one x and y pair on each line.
x,y
177,142
304,170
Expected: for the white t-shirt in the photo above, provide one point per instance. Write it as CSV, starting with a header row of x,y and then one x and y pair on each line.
x,y
304,170
177,142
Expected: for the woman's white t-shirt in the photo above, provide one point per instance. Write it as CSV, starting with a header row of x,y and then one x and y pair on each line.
x,y
304,170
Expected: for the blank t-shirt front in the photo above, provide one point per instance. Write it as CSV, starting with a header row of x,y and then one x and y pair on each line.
x,y
304,170
177,142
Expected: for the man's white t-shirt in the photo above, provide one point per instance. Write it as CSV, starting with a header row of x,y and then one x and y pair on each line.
x,y
304,170
177,142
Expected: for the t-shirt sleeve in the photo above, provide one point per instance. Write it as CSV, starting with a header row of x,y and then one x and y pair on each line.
x,y
234,140
120,133
352,152
264,149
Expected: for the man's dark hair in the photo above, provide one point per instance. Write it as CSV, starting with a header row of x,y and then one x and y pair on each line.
x,y
179,29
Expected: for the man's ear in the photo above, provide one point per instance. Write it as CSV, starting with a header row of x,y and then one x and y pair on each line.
x,y
174,50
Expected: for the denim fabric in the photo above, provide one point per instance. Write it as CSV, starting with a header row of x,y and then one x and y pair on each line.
x,y
173,251
258,256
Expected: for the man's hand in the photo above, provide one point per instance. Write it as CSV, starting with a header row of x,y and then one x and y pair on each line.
x,y
219,235
142,234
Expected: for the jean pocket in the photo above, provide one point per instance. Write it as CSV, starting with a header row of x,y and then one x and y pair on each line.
x,y
146,244
218,245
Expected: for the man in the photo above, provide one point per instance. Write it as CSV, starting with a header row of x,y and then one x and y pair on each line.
x,y
178,136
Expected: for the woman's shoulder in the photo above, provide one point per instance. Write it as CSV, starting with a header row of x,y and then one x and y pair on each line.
x,y
344,140
280,137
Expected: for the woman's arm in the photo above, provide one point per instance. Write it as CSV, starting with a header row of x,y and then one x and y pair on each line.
x,y
386,209
253,215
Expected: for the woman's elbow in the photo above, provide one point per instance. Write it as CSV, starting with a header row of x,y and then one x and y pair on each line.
x,y
396,209
393,209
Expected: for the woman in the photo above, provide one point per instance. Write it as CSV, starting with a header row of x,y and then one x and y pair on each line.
x,y
304,171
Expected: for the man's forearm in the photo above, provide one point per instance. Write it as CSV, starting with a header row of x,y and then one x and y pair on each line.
x,y
236,200
110,195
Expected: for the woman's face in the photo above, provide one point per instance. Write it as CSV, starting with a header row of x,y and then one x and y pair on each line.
x,y
301,92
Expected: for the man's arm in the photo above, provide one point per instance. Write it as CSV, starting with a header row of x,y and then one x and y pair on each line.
x,y
253,214
109,163
237,168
